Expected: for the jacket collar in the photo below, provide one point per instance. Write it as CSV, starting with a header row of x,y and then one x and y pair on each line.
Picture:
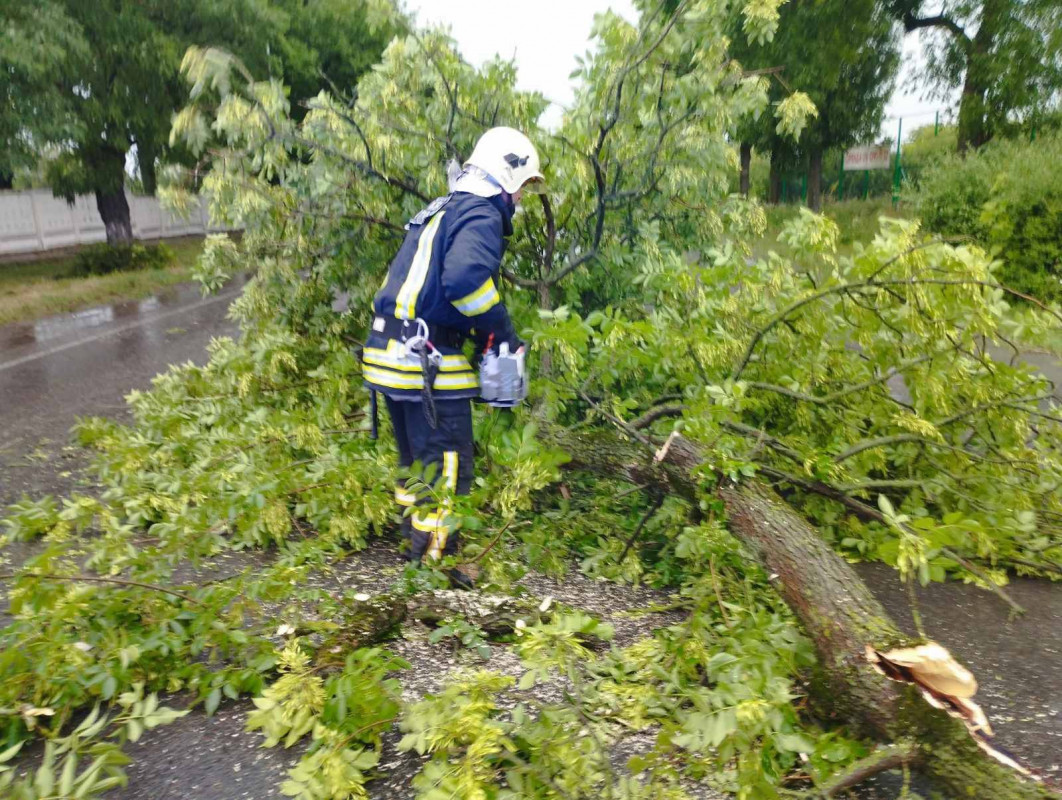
x,y
504,203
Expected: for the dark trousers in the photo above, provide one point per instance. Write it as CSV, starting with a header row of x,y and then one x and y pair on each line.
x,y
431,528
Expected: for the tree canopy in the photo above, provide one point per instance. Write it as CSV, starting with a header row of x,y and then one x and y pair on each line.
x,y
1006,55
845,57
97,80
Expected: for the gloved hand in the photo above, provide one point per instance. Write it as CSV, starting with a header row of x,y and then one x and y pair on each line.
x,y
491,342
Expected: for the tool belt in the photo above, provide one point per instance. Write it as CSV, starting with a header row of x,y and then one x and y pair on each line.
x,y
403,329
423,340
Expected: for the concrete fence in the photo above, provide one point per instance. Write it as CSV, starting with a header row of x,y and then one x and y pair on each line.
x,y
36,222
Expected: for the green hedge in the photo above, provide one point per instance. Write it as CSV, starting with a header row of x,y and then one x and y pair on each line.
x,y
1008,197
103,259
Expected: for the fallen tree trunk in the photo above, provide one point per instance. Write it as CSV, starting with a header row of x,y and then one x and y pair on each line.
x,y
836,609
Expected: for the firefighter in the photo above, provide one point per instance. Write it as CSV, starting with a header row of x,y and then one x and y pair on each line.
x,y
441,290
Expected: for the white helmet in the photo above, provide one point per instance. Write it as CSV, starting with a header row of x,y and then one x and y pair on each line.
x,y
509,157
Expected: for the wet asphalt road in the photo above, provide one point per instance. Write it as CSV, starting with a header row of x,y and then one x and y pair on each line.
x,y
1017,662
59,368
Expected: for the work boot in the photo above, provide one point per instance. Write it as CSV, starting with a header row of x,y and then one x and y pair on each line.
x,y
460,580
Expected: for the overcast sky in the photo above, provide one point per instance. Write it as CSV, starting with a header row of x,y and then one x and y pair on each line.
x,y
544,36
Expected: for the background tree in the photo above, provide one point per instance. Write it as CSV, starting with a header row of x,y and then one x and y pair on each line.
x,y
845,56
108,80
34,38
1005,54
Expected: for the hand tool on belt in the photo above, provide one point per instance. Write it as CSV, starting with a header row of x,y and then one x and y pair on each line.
x,y
419,338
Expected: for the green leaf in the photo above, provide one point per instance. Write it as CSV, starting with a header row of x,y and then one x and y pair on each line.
x,y
11,752
794,743
212,701
637,764
66,779
720,660
886,506
134,729
44,780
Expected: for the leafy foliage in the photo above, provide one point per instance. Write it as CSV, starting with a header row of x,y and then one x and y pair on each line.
x,y
89,766
346,714
103,259
1002,197
829,70
89,82
646,313
464,634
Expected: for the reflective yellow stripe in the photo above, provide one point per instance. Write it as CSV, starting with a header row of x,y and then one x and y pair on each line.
x,y
406,301
450,469
481,300
432,522
436,544
398,380
404,497
437,526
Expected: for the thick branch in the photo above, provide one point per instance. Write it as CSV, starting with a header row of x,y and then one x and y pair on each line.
x,y
877,762
914,23
641,525
99,579
653,414
551,233
836,609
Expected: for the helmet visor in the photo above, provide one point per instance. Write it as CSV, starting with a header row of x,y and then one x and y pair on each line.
x,y
536,184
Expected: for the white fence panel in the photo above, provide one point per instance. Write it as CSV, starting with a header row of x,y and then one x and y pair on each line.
x,y
55,221
87,220
34,221
146,217
18,225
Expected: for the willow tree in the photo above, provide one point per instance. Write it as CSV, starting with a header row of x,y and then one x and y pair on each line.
x,y
774,412
1005,56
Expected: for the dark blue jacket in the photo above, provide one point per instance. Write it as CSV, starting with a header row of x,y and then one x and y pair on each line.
x,y
446,273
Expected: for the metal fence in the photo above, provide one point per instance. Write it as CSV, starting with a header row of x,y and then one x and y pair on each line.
x,y
35,221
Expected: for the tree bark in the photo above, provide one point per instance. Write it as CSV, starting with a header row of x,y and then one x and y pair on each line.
x,y
774,187
836,609
746,167
975,125
774,191
545,302
114,211
110,196
145,159
815,179
972,124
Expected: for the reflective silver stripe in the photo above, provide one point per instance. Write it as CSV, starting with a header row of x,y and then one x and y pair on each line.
x,y
391,359
450,469
399,380
406,301
483,299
